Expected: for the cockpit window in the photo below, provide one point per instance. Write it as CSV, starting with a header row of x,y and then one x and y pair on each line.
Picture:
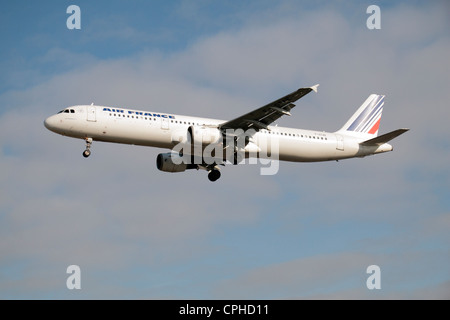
x,y
67,111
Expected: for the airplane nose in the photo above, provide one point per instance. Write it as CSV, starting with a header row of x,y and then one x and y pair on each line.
x,y
47,123
50,123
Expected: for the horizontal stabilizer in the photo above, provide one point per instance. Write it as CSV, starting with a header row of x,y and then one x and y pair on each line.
x,y
378,141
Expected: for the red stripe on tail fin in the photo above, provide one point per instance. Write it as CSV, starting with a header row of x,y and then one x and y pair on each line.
x,y
375,127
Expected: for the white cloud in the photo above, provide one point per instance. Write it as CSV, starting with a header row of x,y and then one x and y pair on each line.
x,y
299,278
340,275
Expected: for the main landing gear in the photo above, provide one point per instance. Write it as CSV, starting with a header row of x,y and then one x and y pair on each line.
x,y
213,175
87,152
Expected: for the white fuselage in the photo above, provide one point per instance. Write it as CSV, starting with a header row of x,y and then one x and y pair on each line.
x,y
129,126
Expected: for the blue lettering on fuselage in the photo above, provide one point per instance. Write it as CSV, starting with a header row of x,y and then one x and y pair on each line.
x,y
140,113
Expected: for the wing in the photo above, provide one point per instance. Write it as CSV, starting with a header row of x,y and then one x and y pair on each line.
x,y
264,116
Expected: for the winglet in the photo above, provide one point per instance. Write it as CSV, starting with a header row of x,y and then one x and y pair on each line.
x,y
314,88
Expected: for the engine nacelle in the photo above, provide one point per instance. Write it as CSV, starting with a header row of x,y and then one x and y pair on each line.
x,y
204,135
170,162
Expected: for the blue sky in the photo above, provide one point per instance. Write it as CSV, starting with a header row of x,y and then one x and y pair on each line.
x,y
308,232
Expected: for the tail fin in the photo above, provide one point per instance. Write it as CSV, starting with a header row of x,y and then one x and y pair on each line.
x,y
366,120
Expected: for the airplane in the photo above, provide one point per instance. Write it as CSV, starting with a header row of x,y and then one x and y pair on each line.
x,y
251,135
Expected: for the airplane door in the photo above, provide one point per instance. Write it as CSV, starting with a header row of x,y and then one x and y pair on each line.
x,y
91,113
340,142
164,123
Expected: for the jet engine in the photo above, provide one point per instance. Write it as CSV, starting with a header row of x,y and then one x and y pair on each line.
x,y
170,162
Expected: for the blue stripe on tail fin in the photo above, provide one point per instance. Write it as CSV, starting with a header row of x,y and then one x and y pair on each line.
x,y
367,118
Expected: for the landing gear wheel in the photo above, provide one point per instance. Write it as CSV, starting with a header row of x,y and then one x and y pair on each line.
x,y
213,175
86,153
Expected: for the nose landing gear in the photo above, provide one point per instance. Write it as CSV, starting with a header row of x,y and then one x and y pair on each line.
x,y
87,152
